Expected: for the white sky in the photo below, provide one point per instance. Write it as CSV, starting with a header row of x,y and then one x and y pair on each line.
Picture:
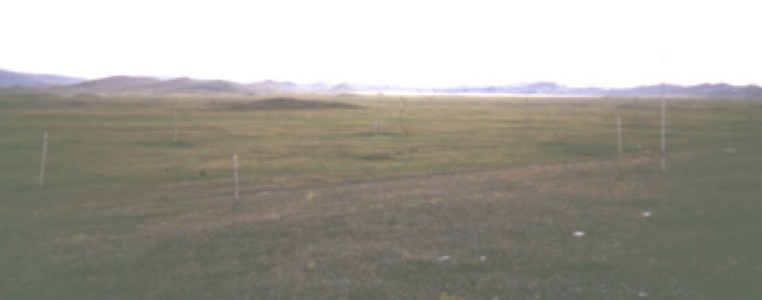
x,y
433,43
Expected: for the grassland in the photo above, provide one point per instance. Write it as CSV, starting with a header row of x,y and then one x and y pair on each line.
x,y
452,198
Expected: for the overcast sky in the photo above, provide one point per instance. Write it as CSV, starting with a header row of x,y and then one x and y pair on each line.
x,y
408,42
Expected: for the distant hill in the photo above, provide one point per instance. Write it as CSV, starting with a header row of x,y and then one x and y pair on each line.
x,y
701,90
147,85
17,79
188,86
192,86
670,90
274,87
115,84
23,82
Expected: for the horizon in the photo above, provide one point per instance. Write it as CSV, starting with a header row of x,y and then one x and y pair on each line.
x,y
433,88
400,43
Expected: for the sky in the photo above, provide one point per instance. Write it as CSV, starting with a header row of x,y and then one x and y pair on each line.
x,y
608,43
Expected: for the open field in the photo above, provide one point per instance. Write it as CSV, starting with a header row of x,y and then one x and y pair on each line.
x,y
450,198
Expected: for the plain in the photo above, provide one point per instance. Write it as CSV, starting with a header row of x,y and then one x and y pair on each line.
x,y
362,197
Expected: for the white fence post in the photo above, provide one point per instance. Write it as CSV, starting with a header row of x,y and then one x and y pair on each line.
x,y
174,123
619,132
44,156
663,132
235,175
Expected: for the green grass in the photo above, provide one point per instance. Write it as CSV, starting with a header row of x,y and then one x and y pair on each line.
x,y
129,141
327,211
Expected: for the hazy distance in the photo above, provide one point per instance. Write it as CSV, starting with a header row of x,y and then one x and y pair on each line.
x,y
409,43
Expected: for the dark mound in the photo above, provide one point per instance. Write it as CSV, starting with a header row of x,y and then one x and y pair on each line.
x,y
291,104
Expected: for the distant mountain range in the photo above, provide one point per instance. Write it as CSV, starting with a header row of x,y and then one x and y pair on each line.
x,y
10,79
131,85
550,88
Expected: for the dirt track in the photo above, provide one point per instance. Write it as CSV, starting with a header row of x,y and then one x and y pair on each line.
x,y
499,184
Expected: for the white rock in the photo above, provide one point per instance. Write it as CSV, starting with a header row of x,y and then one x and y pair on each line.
x,y
579,233
646,214
443,258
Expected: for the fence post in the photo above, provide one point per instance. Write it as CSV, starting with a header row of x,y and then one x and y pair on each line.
x,y
619,132
235,175
174,123
663,131
44,156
